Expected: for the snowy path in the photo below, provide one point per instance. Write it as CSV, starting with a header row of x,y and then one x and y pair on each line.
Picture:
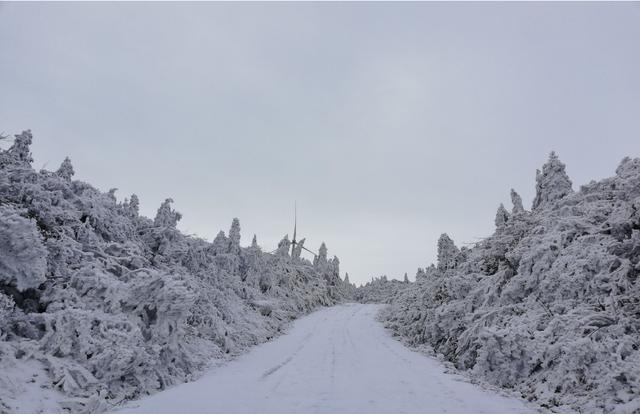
x,y
337,360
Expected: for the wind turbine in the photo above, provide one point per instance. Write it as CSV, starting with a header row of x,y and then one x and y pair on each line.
x,y
294,242
295,227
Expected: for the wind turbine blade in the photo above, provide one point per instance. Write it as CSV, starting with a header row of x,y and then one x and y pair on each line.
x,y
295,219
295,228
309,251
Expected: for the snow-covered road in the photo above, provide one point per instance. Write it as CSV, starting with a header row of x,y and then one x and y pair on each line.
x,y
337,360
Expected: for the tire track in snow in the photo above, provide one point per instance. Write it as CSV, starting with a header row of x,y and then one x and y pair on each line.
x,y
274,369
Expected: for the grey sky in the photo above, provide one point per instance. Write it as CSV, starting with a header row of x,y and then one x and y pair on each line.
x,y
388,123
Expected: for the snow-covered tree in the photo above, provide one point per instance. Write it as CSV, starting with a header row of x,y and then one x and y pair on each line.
x,y
320,261
220,243
334,267
113,305
135,203
297,250
551,295
166,216
380,290
23,257
283,246
66,170
516,200
111,194
131,207
502,216
406,278
448,253
7,306
552,183
234,237
20,150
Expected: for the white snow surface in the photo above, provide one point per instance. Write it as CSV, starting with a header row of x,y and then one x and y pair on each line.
x,y
336,360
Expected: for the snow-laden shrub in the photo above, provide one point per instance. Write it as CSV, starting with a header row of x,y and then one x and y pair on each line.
x,y
380,290
108,305
23,258
549,305
6,310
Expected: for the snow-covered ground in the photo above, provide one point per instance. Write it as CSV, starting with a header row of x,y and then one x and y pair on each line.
x,y
336,360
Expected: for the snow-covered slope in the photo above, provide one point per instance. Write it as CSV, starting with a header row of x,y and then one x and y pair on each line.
x,y
99,304
549,305
338,360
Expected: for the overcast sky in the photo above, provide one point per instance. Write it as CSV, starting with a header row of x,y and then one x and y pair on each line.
x,y
388,123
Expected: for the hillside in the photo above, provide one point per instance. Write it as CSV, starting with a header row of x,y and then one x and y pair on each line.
x,y
549,305
99,304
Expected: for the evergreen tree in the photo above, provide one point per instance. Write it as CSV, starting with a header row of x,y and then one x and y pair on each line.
x,y
448,253
220,243
131,206
552,183
23,257
166,217
297,251
516,200
283,246
234,237
334,267
20,150
66,169
320,261
134,205
502,216
111,194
